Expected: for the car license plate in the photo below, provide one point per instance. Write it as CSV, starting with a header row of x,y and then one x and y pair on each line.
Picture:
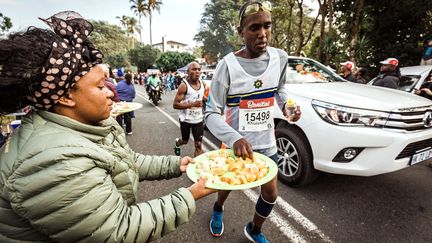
x,y
421,155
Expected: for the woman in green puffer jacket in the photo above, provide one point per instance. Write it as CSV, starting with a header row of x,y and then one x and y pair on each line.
x,y
68,174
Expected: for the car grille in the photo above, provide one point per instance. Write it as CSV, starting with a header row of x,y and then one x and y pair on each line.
x,y
411,148
411,119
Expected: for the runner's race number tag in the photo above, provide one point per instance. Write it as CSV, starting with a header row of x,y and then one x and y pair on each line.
x,y
194,113
256,115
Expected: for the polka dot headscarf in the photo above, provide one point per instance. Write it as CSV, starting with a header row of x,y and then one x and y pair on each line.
x,y
69,60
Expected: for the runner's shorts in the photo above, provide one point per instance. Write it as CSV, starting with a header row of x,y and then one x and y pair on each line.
x,y
197,131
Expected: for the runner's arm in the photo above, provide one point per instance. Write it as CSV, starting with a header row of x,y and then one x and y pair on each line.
x,y
181,92
215,107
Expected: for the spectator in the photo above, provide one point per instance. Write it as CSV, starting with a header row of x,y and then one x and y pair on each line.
x,y
425,89
360,75
427,55
389,75
346,71
69,174
126,92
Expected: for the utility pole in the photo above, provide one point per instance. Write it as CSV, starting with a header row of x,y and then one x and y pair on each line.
x,y
163,44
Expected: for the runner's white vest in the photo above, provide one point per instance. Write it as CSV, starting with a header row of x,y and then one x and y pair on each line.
x,y
250,101
193,115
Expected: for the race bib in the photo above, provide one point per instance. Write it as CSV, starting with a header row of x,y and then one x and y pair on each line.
x,y
194,113
256,115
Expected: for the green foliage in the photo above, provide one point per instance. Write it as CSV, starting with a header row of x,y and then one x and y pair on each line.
x,y
197,52
138,7
117,60
218,28
388,29
143,57
108,38
151,6
112,41
131,26
399,27
5,23
171,60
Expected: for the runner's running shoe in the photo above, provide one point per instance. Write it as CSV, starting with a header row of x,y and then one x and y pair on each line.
x,y
258,237
216,224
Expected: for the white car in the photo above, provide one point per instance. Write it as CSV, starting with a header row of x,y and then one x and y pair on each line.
x,y
413,77
348,128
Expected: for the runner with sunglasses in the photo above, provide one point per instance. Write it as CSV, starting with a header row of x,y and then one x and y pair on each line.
x,y
244,87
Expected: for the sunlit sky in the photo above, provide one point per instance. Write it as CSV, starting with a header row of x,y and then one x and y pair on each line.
x,y
178,20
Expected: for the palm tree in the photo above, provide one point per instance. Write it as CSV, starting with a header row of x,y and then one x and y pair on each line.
x,y
150,6
139,8
131,26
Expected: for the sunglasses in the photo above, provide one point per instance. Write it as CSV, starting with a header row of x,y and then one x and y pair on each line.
x,y
254,8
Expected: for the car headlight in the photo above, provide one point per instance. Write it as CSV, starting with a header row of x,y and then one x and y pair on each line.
x,y
348,116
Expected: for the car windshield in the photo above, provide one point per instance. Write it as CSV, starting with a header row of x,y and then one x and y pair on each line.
x,y
309,71
408,82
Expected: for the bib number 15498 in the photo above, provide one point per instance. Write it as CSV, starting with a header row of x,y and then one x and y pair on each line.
x,y
256,115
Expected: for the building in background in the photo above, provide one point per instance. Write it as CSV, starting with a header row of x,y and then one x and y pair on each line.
x,y
171,45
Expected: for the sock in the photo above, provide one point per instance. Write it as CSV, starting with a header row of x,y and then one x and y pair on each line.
x,y
217,207
264,208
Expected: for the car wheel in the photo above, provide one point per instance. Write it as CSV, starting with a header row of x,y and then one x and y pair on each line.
x,y
295,159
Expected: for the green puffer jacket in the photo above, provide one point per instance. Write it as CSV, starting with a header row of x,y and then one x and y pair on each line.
x,y
61,180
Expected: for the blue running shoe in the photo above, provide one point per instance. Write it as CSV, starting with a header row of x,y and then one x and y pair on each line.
x,y
258,237
216,224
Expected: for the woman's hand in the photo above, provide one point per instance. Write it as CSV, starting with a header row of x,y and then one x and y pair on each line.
x,y
184,162
199,190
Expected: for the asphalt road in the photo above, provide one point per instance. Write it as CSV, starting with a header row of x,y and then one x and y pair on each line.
x,y
395,207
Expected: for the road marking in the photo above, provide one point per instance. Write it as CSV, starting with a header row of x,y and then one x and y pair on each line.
x,y
284,226
302,220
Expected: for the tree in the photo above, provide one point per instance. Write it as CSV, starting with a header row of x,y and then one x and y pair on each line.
x,y
138,6
150,6
282,18
302,40
323,8
197,52
143,57
5,23
399,27
117,60
218,31
355,29
131,25
172,60
111,40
